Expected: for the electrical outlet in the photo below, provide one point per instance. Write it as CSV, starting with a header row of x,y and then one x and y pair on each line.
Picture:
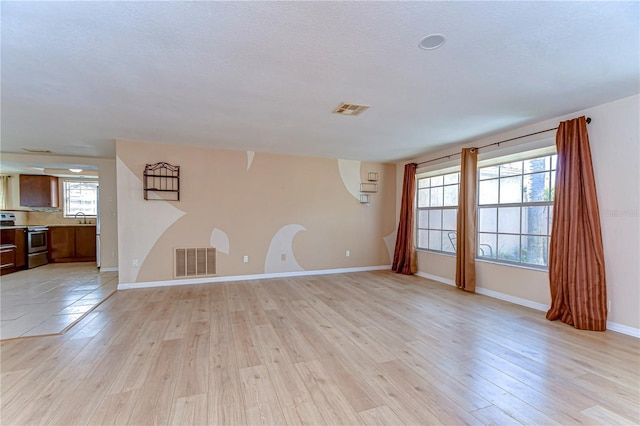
x,y
347,253
609,306
135,263
283,257
245,259
113,253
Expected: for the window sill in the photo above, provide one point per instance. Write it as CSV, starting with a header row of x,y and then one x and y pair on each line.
x,y
513,265
443,253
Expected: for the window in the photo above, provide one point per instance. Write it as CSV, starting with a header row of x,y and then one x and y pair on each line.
x,y
437,212
515,203
80,197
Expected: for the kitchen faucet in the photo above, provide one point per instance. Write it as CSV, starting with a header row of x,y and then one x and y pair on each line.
x,y
83,215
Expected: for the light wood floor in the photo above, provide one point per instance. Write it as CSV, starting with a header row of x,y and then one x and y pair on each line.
x,y
50,298
365,348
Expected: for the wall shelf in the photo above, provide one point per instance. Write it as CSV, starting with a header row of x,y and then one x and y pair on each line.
x,y
161,182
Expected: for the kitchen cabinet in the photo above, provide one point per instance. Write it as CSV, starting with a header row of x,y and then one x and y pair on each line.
x,y
38,191
7,251
21,247
72,244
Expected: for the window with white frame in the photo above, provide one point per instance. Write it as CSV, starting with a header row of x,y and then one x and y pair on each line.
x,y
437,212
515,208
80,197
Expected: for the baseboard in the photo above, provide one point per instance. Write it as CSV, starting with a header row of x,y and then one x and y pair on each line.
x,y
190,281
624,329
513,299
611,326
436,278
109,269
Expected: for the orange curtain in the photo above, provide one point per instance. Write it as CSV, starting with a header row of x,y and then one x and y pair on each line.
x,y
467,210
576,256
403,258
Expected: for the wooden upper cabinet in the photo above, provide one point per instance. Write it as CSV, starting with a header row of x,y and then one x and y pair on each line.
x,y
39,191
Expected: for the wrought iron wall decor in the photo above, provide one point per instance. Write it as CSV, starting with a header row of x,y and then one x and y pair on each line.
x,y
161,182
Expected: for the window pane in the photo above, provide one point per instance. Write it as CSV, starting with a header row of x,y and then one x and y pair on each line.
x,y
537,164
435,219
448,239
423,182
435,240
488,172
487,245
423,197
554,160
80,197
451,195
511,169
509,247
423,241
488,192
535,250
534,220
536,187
423,217
509,220
436,196
449,218
452,178
552,185
511,190
437,180
487,219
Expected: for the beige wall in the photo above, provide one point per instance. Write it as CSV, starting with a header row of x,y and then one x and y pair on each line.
x,y
107,196
615,138
265,205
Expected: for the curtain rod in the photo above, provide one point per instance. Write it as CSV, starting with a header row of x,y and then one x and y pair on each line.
x,y
495,143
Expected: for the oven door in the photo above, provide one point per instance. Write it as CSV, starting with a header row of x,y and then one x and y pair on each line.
x,y
37,241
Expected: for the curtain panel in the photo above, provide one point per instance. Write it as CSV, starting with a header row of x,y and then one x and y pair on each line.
x,y
576,256
466,226
404,255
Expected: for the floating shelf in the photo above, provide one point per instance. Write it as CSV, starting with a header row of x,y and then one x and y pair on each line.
x,y
368,187
162,182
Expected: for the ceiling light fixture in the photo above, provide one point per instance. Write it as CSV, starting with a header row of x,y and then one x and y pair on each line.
x,y
432,41
75,170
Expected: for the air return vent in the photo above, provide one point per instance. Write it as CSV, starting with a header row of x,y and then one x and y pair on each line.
x,y
350,109
195,262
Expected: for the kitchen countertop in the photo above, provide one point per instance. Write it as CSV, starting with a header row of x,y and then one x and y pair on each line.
x,y
49,226
69,224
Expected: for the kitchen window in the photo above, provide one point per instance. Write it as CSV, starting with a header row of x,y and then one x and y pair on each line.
x,y
437,212
515,210
80,197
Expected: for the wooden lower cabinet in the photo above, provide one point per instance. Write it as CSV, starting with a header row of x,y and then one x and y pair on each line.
x,y
21,248
72,244
85,243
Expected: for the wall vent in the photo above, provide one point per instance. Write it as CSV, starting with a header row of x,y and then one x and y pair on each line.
x,y
194,262
350,109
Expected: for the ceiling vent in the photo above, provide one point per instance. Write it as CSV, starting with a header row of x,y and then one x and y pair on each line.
x,y
350,109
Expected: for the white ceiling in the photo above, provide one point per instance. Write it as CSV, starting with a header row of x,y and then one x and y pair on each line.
x,y
265,76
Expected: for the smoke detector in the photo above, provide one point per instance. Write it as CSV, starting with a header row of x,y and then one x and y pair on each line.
x,y
350,109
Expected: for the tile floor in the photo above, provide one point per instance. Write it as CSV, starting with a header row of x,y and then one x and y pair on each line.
x,y
51,298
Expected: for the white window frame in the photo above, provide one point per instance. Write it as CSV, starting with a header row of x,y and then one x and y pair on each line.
x,y
420,227
486,252
65,197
